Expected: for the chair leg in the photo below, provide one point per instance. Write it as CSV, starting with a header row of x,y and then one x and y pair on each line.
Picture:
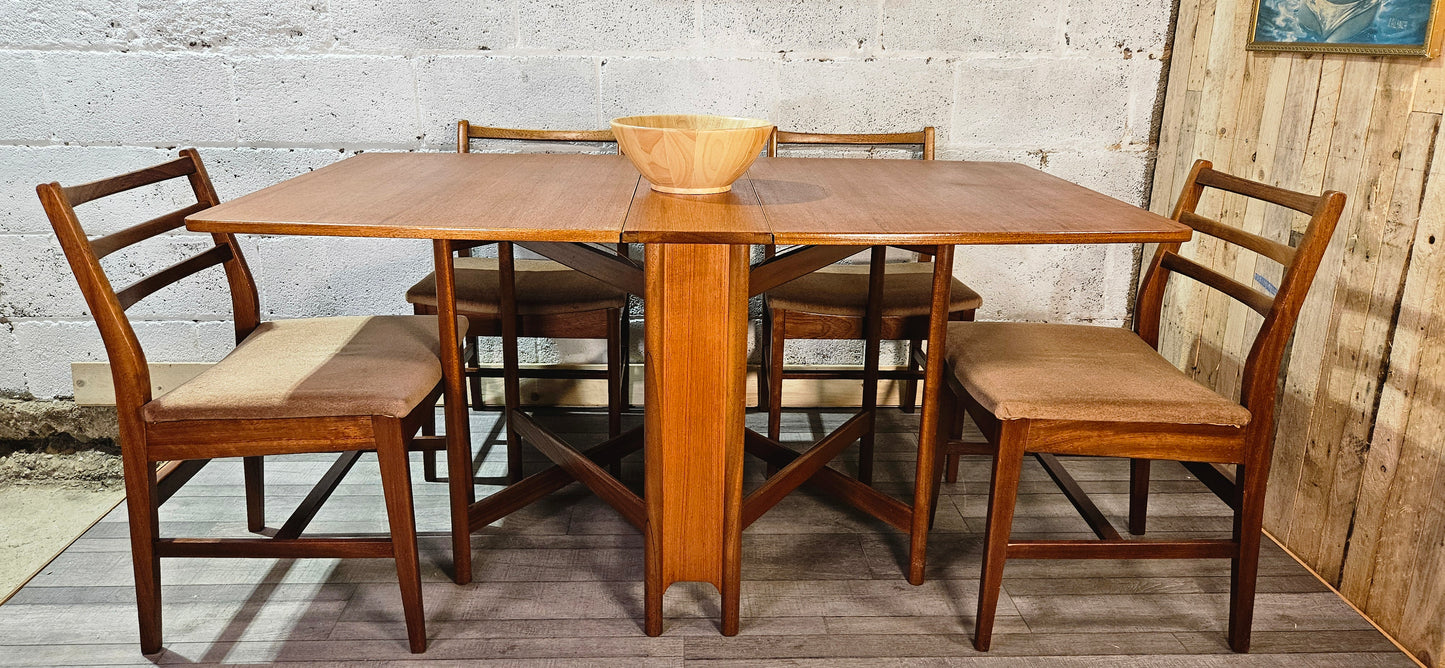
x,y
252,468
1003,492
626,360
510,372
429,457
140,493
1248,532
429,426
396,485
1138,495
871,353
775,375
950,466
952,461
866,441
474,381
614,382
872,335
765,358
908,389
948,409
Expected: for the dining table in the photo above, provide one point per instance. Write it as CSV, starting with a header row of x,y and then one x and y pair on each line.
x,y
695,278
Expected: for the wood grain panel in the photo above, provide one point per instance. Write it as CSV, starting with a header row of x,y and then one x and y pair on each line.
x,y
1359,460
697,315
892,202
733,217
477,196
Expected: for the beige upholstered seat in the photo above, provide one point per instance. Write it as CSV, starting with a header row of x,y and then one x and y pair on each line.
x,y
543,287
309,368
842,289
1078,372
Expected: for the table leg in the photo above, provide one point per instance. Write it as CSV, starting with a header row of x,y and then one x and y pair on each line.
x,y
926,474
459,442
696,325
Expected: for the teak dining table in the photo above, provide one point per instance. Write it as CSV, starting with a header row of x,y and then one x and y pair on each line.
x,y
696,279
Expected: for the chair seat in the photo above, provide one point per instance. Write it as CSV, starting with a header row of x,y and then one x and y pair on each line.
x,y
842,290
542,286
310,368
1078,372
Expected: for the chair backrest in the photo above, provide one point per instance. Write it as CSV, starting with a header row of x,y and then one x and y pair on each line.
x,y
128,362
466,132
923,138
1301,262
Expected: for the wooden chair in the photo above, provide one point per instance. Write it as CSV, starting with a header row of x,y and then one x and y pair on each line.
x,y
291,386
512,298
833,303
1083,390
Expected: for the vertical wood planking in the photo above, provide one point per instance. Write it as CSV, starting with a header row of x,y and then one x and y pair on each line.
x,y
1381,463
1339,426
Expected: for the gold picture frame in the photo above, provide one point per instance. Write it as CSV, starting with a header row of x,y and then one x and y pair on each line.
x,y
1428,46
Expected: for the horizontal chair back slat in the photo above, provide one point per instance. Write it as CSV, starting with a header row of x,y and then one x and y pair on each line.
x,y
466,132
147,286
893,138
1269,248
923,138
1273,194
139,232
106,187
1260,302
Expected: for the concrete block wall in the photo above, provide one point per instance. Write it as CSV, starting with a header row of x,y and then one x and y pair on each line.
x,y
269,90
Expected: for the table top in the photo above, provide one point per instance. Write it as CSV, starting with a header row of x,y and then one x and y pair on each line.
x,y
601,198
491,197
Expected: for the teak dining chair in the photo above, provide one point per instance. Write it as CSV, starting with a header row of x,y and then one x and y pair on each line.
x,y
291,386
512,298
834,302
1084,390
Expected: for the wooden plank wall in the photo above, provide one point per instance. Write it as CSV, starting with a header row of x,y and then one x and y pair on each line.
x,y
1358,482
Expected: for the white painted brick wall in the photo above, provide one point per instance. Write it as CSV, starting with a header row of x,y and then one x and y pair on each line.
x,y
270,90
137,98
840,27
605,25
656,84
1001,27
451,87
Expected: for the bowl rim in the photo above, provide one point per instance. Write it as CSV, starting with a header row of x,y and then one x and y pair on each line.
x,y
756,123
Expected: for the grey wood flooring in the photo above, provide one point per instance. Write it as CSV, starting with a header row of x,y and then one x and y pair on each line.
x,y
560,583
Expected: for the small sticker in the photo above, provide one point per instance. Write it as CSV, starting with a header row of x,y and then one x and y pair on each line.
x,y
1264,283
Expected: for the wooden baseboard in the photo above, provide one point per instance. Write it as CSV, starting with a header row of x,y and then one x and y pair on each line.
x,y
93,386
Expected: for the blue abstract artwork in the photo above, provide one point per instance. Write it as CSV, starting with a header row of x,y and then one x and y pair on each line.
x,y
1368,22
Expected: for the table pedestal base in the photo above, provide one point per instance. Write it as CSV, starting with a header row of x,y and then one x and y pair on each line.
x,y
697,319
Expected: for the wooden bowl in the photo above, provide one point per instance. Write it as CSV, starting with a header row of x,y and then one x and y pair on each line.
x,y
691,154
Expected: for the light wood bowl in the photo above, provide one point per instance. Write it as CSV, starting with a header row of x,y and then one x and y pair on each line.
x,y
691,154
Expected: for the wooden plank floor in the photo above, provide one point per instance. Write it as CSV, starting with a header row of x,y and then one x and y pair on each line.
x,y
561,583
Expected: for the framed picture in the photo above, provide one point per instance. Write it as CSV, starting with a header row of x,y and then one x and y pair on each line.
x,y
1371,27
